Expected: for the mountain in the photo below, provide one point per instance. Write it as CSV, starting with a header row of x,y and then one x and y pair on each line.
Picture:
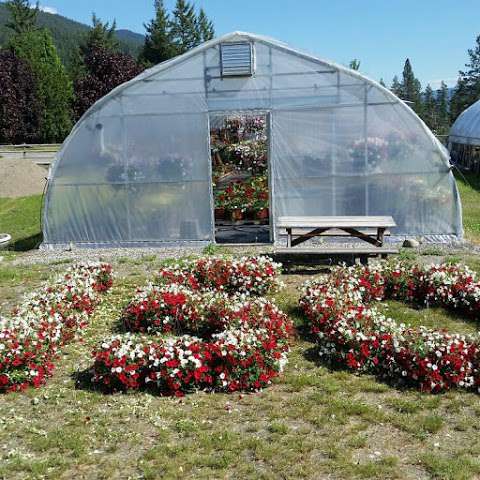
x,y
68,34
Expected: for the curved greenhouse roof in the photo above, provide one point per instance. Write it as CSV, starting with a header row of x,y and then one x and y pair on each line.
x,y
136,169
466,128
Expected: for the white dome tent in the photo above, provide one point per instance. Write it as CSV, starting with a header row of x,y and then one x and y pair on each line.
x,y
136,169
464,139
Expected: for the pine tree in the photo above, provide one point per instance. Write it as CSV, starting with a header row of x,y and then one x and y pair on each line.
x,y
382,83
54,88
467,90
397,87
183,27
101,35
411,88
205,27
23,17
158,41
442,108
354,64
429,110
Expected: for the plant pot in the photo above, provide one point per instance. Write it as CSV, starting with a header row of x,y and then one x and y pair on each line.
x,y
237,215
262,214
220,214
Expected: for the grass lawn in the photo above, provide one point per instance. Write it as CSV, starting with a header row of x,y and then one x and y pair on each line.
x,y
314,422
20,217
469,188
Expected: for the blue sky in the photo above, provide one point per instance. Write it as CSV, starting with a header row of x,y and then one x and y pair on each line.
x,y
435,34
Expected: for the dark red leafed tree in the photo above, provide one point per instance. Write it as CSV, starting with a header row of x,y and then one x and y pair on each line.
x,y
104,70
19,107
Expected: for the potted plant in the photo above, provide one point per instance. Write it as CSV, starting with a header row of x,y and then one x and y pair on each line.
x,y
220,202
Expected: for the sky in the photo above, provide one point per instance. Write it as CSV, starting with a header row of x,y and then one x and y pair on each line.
x,y
434,34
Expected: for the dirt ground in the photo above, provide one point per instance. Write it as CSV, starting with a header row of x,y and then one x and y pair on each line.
x,y
21,178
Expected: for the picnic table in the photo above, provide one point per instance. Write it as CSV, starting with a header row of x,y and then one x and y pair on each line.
x,y
370,229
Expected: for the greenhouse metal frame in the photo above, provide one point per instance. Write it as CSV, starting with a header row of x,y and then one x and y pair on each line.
x,y
136,169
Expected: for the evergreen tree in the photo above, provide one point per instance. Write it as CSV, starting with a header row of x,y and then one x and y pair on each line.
x,y
397,87
442,108
468,86
54,89
158,41
411,87
354,64
23,17
101,35
183,27
205,27
429,110
19,107
382,83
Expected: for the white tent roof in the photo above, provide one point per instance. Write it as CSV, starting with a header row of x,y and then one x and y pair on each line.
x,y
466,128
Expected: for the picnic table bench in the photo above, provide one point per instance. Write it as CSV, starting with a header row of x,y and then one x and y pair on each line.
x,y
370,229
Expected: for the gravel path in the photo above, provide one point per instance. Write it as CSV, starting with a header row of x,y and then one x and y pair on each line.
x,y
115,254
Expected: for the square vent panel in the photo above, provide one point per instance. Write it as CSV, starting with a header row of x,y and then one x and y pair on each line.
x,y
236,59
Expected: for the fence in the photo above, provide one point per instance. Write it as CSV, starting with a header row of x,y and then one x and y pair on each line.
x,y
41,154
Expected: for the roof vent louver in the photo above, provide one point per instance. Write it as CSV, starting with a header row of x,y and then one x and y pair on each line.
x,y
236,59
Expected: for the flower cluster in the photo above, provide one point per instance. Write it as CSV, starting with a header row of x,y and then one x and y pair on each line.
x,y
376,149
249,196
353,333
31,338
226,340
247,275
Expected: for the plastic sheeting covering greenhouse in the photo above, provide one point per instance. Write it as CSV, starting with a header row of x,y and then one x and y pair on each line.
x,y
136,169
466,129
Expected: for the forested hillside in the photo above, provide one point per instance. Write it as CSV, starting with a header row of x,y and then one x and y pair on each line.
x,y
68,34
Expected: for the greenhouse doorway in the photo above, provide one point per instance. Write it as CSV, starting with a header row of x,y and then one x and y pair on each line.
x,y
239,146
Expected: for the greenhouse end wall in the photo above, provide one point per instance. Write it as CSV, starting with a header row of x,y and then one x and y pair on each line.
x,y
136,169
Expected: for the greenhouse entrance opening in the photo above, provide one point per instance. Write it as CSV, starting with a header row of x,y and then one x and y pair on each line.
x,y
240,175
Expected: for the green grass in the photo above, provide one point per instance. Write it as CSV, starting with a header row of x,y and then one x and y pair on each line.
x,y
469,188
313,422
20,217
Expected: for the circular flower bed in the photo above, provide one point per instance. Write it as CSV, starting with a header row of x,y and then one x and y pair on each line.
x,y
47,319
353,333
226,337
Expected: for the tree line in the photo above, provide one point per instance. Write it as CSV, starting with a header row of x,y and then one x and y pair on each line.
x,y
440,108
40,99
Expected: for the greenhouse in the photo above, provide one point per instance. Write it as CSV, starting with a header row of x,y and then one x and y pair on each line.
x,y
464,139
236,133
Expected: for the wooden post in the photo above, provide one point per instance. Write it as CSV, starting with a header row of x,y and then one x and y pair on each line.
x,y
380,235
289,237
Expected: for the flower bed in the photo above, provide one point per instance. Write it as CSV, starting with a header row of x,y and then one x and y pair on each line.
x,y
354,334
247,275
225,340
31,338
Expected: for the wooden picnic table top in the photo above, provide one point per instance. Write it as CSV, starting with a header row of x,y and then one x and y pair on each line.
x,y
336,222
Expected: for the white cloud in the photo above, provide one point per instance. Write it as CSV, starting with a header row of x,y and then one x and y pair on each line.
x,y
46,9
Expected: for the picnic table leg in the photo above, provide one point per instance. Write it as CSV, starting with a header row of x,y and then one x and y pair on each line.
x,y
380,235
380,238
289,237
